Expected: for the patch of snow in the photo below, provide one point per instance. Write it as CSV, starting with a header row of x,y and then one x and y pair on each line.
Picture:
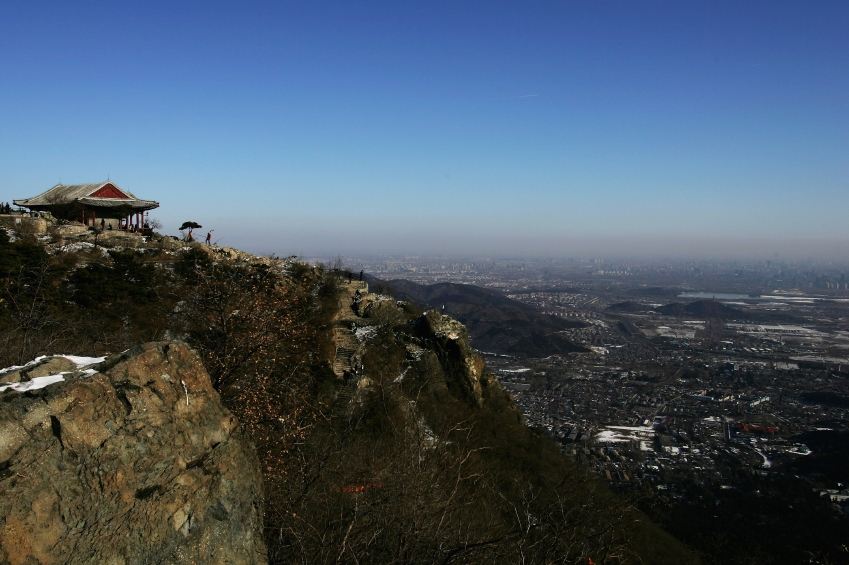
x,y
76,246
610,436
80,362
622,434
16,367
362,334
41,382
36,383
767,461
402,375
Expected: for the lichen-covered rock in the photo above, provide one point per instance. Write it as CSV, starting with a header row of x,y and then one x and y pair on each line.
x,y
139,463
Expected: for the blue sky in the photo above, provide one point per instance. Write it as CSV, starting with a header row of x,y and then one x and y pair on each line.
x,y
501,128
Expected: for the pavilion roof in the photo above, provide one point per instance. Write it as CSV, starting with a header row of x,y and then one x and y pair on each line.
x,y
83,193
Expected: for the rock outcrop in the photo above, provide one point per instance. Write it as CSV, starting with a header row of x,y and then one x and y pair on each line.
x,y
137,463
362,313
450,341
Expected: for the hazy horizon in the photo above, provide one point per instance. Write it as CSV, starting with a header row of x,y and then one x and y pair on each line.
x,y
459,240
662,129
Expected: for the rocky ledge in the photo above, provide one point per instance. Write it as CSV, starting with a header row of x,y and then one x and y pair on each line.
x,y
135,462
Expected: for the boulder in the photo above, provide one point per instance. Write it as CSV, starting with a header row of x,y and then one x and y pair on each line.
x,y
49,366
379,308
139,463
70,230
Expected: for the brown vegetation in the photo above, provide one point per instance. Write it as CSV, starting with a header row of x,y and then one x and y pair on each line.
x,y
403,468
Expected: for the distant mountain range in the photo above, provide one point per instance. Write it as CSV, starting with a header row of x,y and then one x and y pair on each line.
x,y
496,323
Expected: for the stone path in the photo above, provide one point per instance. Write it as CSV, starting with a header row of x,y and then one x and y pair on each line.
x,y
343,336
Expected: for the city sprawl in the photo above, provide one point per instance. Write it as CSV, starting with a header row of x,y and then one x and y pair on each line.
x,y
699,379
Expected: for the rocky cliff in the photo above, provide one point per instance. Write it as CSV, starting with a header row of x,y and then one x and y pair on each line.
x,y
133,462
430,332
450,341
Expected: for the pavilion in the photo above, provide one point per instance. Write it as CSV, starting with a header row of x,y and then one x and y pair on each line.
x,y
91,204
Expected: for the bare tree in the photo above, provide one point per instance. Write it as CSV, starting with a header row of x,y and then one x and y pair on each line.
x,y
32,324
97,232
64,209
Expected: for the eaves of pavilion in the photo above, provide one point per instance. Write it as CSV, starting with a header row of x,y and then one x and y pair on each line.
x,y
91,201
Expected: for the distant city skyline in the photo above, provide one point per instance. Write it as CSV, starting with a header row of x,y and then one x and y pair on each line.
x,y
618,129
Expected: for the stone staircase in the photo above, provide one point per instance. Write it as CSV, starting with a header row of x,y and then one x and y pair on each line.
x,y
344,397
342,363
346,321
346,344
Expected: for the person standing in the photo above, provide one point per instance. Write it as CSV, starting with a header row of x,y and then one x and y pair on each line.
x,y
209,237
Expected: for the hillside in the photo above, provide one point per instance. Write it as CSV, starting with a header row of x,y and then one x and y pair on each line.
x,y
708,309
701,309
381,435
628,307
496,323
